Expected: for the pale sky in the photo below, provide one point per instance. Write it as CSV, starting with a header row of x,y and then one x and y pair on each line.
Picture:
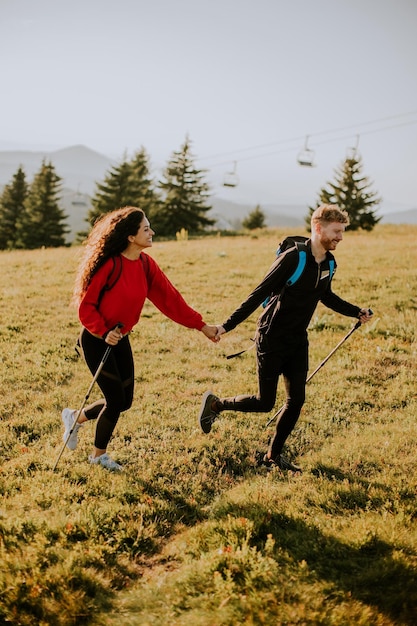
x,y
248,80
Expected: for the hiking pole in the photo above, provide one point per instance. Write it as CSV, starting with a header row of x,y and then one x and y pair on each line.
x,y
87,395
342,341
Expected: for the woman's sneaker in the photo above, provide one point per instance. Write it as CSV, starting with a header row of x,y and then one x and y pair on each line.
x,y
68,417
105,461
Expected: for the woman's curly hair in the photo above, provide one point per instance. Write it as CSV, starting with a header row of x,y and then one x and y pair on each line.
x,y
108,238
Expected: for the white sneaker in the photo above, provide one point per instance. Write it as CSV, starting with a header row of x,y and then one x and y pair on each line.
x,y
105,461
68,416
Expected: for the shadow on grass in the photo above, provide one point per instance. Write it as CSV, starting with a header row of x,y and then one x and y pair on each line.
x,y
371,572
336,474
181,509
357,493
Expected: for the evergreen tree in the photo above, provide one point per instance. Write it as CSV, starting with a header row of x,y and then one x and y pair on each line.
x,y
42,221
12,205
350,192
126,184
144,193
255,219
113,193
184,196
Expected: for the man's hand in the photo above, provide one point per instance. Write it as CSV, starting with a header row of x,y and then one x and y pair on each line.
x,y
365,315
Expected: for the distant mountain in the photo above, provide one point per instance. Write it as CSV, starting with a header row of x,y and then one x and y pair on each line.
x,y
400,217
78,166
275,214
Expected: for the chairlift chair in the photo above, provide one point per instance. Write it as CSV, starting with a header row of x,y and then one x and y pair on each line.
x,y
231,179
78,199
306,156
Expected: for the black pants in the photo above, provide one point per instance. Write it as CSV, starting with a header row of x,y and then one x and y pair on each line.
x,y
290,360
116,381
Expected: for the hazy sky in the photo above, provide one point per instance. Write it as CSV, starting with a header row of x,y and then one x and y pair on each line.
x,y
246,79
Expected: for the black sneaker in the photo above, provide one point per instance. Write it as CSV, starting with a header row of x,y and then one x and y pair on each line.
x,y
207,416
282,463
263,461
286,465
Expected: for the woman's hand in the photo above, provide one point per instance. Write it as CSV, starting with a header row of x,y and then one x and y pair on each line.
x,y
113,337
211,332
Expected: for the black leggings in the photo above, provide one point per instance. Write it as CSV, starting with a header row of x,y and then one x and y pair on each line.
x,y
116,380
272,361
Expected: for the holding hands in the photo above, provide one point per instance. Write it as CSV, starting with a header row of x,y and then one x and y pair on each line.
x,y
220,331
210,332
213,332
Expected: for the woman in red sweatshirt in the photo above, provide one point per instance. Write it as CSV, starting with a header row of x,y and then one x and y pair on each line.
x,y
114,279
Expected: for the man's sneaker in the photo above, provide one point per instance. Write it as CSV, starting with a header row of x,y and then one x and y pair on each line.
x,y
105,461
68,416
281,462
285,464
207,416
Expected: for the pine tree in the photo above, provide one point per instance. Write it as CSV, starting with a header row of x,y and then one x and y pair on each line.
x,y
255,219
114,192
126,184
185,194
42,223
350,192
144,194
12,205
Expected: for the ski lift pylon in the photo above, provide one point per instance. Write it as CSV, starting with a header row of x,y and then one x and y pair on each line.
x,y
306,156
352,152
231,179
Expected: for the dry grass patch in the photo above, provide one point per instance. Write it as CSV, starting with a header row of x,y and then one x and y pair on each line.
x,y
192,533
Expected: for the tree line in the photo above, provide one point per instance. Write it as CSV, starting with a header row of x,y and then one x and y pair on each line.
x,y
31,216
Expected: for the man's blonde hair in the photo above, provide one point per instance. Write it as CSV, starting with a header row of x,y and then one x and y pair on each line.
x,y
327,213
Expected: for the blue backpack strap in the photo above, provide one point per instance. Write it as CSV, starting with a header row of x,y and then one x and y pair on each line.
x,y
331,268
302,259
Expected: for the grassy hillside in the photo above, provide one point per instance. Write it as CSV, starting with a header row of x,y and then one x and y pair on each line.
x,y
192,532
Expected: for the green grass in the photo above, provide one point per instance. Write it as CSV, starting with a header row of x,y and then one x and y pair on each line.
x,y
192,533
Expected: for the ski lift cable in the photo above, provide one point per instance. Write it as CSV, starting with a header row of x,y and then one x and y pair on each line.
x,y
320,142
319,133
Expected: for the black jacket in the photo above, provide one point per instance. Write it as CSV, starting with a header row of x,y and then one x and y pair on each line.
x,y
290,308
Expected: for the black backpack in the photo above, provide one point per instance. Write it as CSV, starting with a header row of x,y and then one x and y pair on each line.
x,y
299,242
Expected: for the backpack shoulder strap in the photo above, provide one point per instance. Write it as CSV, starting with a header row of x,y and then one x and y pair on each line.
x,y
302,259
115,273
332,267
112,278
295,241
145,262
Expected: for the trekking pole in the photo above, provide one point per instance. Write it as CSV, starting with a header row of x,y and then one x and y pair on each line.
x,y
342,341
87,395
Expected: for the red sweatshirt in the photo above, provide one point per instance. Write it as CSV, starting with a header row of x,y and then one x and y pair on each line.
x,y
124,302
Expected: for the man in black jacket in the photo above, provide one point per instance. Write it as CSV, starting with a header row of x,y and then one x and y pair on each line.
x,y
281,337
